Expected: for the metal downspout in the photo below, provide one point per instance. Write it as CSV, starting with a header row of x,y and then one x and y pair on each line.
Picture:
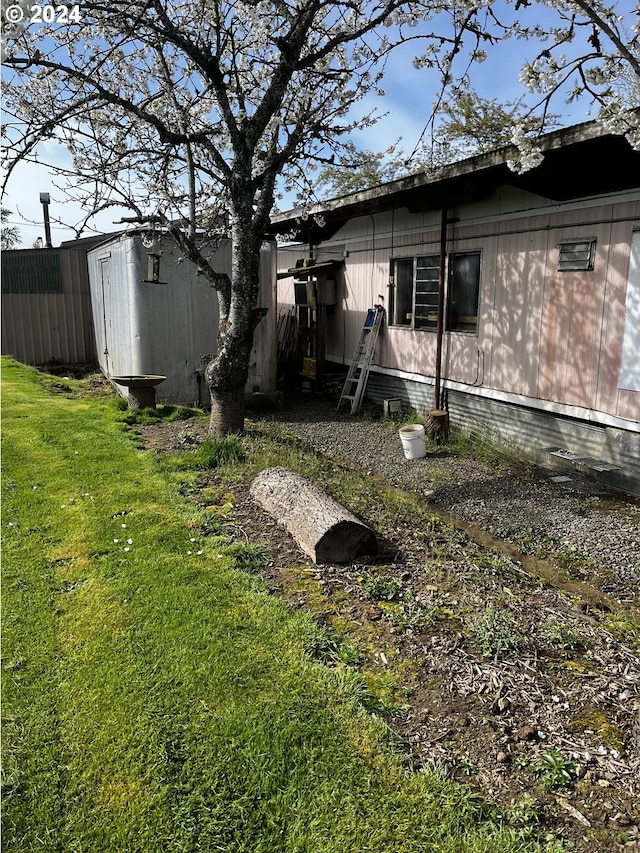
x,y
440,326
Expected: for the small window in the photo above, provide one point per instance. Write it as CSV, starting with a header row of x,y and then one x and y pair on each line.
x,y
402,313
464,284
427,292
415,292
153,267
576,255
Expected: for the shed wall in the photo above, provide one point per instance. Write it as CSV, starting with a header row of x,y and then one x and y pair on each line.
x,y
170,327
46,306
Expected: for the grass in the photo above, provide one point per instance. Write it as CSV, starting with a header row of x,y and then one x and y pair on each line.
x,y
155,697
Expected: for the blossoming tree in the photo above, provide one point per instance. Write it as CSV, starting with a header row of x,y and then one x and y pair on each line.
x,y
190,112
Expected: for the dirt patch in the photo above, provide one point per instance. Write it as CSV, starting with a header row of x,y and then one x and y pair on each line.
x,y
504,676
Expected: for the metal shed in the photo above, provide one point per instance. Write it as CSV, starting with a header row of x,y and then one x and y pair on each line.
x,y
153,314
46,309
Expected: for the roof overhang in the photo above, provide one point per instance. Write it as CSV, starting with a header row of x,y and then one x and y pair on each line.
x,y
580,161
307,267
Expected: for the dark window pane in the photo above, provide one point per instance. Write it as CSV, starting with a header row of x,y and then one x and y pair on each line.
x,y
402,310
464,287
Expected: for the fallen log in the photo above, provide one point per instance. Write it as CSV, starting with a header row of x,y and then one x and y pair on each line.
x,y
325,530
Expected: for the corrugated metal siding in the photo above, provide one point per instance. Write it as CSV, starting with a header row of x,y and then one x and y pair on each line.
x,y
526,429
40,325
31,271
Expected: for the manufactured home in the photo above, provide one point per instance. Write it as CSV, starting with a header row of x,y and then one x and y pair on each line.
x,y
154,315
512,300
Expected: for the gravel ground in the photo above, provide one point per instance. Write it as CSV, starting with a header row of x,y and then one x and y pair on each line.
x,y
583,526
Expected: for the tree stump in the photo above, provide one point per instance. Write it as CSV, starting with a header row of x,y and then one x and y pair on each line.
x,y
325,530
437,425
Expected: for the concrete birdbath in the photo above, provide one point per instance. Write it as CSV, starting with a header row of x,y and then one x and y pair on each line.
x,y
141,388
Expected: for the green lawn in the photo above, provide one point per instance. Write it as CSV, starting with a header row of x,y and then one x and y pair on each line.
x,y
155,698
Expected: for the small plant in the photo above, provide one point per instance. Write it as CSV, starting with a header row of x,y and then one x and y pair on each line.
x,y
554,770
326,647
523,817
524,812
247,558
412,616
521,762
559,634
495,633
466,766
220,451
350,655
381,588
524,540
323,647
186,437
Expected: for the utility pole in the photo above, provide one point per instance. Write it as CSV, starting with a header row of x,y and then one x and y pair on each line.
x,y
44,201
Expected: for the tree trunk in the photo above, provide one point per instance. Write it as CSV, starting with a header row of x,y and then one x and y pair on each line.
x,y
227,374
227,412
324,529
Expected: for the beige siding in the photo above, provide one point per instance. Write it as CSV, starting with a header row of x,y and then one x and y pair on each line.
x,y
511,322
542,334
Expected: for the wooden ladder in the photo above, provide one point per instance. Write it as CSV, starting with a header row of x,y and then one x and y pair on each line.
x,y
356,381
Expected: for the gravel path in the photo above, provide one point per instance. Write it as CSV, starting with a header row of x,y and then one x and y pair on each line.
x,y
580,524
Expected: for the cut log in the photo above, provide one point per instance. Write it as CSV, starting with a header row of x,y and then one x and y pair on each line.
x,y
324,529
437,425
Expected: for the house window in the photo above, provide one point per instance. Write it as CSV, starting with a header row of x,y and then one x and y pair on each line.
x,y
464,288
576,255
415,294
402,311
426,307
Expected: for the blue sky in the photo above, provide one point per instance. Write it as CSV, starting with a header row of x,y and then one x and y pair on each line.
x,y
409,95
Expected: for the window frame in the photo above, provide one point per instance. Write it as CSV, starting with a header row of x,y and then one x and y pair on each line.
x,y
578,260
468,326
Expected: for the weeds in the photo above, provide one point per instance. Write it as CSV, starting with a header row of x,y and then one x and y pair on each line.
x,y
412,616
554,770
382,588
467,767
215,452
495,633
186,437
324,646
247,558
148,416
560,634
494,451
211,453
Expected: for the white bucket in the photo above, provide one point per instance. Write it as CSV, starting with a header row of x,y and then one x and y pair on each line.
x,y
413,444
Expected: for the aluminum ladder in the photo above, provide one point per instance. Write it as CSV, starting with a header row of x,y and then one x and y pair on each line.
x,y
356,381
